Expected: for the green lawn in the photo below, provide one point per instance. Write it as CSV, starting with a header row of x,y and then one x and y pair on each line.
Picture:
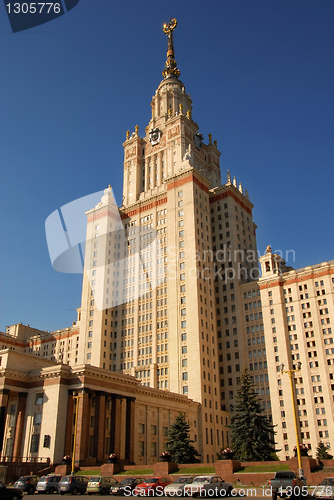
x,y
264,468
275,467
136,472
92,472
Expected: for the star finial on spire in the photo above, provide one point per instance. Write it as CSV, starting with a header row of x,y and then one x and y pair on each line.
x,y
170,65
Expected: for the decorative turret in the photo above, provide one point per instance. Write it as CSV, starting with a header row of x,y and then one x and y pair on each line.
x,y
273,264
171,69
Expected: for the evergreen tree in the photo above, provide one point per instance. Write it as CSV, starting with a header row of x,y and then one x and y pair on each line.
x,y
322,453
252,434
179,443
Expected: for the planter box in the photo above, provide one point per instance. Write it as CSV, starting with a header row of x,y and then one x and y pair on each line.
x,y
63,469
111,469
225,468
164,468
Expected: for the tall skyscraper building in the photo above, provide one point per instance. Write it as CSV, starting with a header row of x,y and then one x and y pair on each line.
x,y
161,281
172,301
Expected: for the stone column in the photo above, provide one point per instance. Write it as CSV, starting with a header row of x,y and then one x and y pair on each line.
x,y
4,397
69,425
116,425
153,184
159,160
100,425
130,429
82,443
147,175
21,412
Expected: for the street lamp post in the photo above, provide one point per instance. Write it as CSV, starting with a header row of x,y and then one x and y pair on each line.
x,y
76,399
290,372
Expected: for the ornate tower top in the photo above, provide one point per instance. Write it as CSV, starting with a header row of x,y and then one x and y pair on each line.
x,y
171,69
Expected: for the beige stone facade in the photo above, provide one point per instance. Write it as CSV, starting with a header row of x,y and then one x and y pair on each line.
x,y
173,307
158,319
298,312
115,413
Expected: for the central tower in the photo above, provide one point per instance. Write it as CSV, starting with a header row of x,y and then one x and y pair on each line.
x,y
167,177
172,140
162,321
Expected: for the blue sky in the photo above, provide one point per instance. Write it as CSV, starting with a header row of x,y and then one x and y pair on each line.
x,y
260,74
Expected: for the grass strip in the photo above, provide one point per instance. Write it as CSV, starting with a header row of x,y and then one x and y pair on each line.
x,y
263,468
135,472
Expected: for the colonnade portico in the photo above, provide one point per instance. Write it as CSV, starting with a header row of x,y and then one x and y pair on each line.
x,y
106,424
11,437
4,398
115,414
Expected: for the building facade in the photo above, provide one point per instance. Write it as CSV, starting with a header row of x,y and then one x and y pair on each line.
x,y
174,307
298,311
115,413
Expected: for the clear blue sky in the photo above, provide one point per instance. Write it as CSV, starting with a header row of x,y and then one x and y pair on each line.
x,y
261,77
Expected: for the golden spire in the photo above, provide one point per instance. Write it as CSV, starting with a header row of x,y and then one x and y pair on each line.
x,y
170,65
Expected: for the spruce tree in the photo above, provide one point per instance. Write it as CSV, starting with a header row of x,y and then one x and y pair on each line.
x,y
179,443
251,432
322,453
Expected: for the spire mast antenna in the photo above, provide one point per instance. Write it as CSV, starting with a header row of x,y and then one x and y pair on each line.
x,y
170,65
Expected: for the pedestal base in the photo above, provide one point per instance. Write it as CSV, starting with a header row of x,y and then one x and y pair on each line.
x,y
226,468
309,464
164,468
111,469
64,469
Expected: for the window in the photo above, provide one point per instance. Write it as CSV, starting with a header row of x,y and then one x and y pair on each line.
x,y
37,418
141,428
39,398
153,449
141,448
34,445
